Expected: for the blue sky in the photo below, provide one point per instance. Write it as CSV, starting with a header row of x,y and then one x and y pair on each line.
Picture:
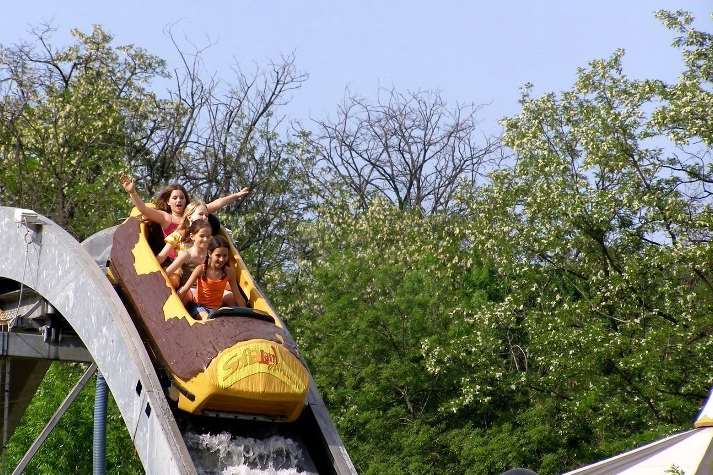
x,y
479,52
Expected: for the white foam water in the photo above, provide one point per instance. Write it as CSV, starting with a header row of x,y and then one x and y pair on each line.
x,y
223,454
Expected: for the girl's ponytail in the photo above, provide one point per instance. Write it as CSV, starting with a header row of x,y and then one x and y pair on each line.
x,y
205,264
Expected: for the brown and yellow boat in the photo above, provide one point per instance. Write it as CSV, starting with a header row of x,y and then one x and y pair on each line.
x,y
241,362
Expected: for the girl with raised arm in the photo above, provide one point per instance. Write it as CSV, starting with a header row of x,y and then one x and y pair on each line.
x,y
171,205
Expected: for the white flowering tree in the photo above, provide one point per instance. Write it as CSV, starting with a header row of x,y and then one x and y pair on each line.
x,y
64,124
601,232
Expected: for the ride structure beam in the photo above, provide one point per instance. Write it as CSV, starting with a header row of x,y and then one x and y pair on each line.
x,y
55,419
29,345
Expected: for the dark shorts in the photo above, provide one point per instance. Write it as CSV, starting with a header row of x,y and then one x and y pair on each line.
x,y
195,309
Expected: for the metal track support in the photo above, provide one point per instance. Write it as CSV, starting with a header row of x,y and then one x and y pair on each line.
x,y
55,419
56,268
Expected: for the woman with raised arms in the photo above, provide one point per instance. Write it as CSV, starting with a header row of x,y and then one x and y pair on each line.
x,y
171,205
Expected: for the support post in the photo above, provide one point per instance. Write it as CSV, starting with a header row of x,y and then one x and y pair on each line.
x,y
55,419
6,408
99,445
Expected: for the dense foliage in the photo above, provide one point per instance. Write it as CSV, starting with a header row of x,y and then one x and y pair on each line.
x,y
551,316
379,288
68,449
596,338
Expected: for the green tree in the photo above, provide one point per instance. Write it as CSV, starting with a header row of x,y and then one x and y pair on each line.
x,y
63,125
68,449
375,292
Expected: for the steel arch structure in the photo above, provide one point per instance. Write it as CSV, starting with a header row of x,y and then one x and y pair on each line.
x,y
39,254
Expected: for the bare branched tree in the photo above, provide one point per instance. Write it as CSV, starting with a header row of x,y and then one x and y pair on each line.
x,y
234,146
408,147
227,136
166,127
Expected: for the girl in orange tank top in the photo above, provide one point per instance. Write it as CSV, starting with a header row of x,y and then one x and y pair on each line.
x,y
213,276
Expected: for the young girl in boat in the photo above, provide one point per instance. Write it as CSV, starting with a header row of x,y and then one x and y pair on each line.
x,y
179,239
171,205
199,234
212,277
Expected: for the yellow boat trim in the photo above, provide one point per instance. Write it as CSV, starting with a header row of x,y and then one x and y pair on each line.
x,y
704,421
144,259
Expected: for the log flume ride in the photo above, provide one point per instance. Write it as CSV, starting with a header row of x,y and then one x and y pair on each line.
x,y
218,396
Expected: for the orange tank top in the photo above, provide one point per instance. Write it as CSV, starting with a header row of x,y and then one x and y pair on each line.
x,y
210,292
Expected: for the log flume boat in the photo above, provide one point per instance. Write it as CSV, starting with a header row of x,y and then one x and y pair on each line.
x,y
241,362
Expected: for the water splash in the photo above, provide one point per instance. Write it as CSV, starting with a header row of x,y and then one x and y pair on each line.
x,y
223,454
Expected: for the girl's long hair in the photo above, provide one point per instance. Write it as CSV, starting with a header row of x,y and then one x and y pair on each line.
x,y
186,222
161,201
216,243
